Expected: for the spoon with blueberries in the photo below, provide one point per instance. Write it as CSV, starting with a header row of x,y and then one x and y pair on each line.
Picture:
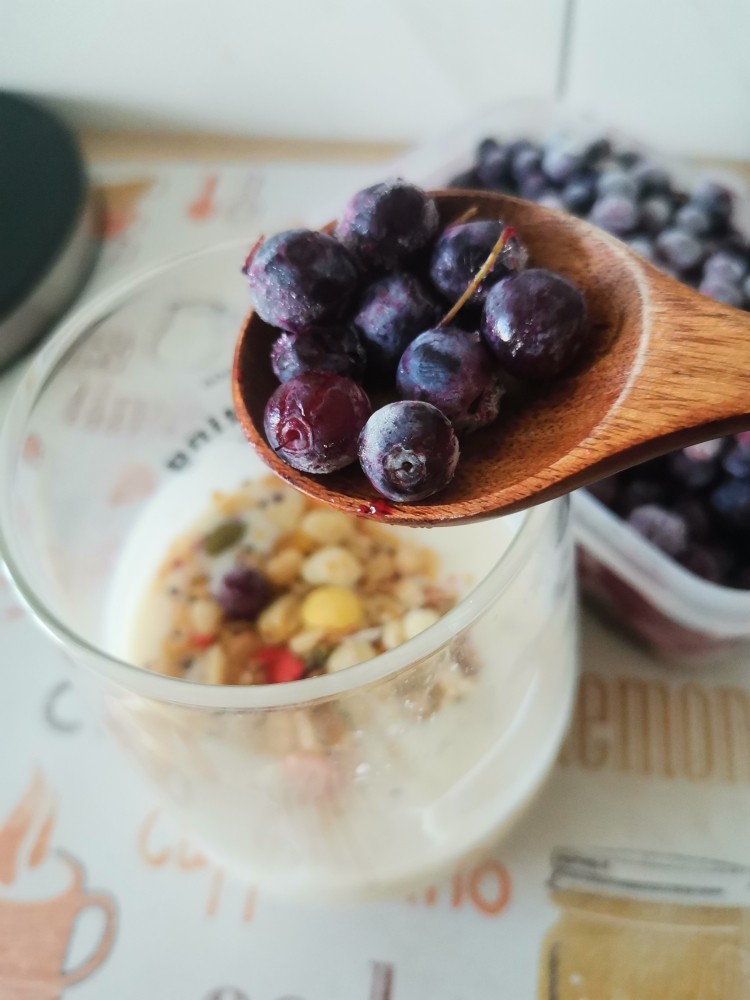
x,y
437,358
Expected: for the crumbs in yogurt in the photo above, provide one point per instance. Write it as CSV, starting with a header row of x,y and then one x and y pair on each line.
x,y
269,586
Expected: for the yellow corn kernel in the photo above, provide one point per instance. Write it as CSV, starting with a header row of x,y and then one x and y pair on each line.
x,y
417,620
327,527
349,654
334,565
283,568
332,609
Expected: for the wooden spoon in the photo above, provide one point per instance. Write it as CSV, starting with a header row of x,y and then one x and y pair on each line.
x,y
670,368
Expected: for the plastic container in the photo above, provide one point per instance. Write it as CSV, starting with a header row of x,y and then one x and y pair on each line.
x,y
335,786
656,601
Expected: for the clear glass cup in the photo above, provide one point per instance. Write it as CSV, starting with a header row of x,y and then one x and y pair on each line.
x,y
337,786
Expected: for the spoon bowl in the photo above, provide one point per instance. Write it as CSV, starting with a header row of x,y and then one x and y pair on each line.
x,y
667,368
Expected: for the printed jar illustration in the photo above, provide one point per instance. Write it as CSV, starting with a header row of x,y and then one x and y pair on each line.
x,y
642,925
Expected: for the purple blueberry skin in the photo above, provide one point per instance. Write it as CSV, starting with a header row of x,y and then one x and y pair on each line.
x,y
301,279
615,213
679,249
655,213
453,370
665,529
242,594
703,562
691,472
725,266
722,291
459,253
392,311
313,421
408,451
493,170
385,224
579,193
731,503
640,492
536,324
335,349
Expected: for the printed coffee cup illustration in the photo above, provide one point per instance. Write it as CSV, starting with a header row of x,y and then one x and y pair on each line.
x,y
42,894
644,925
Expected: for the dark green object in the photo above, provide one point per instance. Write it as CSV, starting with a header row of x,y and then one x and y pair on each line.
x,y
223,537
47,232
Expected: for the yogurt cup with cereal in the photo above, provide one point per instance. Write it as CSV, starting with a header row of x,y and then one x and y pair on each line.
x,y
336,709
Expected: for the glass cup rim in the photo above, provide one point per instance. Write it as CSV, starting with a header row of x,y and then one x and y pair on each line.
x,y
176,690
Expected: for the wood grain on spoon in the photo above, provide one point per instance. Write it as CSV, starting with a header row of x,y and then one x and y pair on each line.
x,y
670,367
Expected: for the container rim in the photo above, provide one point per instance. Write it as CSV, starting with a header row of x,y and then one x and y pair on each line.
x,y
177,690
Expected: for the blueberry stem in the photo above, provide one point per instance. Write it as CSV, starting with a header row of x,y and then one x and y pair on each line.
x,y
465,216
507,234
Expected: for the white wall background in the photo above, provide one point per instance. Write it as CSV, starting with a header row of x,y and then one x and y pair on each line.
x,y
675,72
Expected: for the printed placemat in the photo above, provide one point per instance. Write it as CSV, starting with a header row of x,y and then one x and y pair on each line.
x,y
628,878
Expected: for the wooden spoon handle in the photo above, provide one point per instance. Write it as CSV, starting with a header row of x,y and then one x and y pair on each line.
x,y
691,378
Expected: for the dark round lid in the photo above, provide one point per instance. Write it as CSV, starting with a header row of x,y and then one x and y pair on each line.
x,y
42,193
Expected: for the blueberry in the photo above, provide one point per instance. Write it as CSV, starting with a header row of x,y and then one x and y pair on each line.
x,y
459,253
408,451
467,180
393,310
579,193
615,213
693,512
486,147
525,159
731,503
332,349
627,158
242,594
535,323
639,492
452,370
616,182
693,473
736,462
703,562
725,266
746,289
722,291
606,491
740,579
693,219
643,246
651,180
532,185
562,158
493,170
313,421
679,249
551,199
301,279
706,451
715,199
655,213
665,529
384,224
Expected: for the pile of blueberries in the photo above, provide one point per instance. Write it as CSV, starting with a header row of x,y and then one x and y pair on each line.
x,y
362,313
693,504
